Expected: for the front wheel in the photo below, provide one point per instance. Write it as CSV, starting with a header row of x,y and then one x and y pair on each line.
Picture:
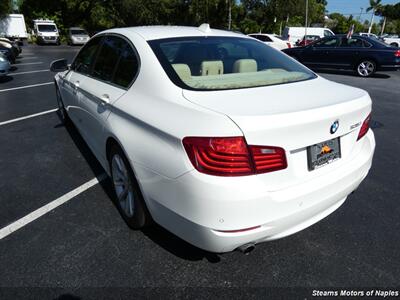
x,y
366,68
129,198
394,45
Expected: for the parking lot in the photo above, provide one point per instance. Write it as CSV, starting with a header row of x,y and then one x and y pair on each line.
x,y
85,243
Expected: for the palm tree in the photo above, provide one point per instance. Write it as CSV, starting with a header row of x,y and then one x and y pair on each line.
x,y
374,5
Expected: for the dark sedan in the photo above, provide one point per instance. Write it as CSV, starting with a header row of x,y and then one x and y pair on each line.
x,y
362,54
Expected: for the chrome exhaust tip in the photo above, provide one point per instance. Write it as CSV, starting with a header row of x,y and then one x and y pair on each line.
x,y
247,248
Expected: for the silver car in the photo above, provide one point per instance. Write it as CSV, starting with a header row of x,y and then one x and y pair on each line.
x,y
4,65
77,36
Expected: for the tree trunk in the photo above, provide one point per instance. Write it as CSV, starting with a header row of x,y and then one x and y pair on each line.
x,y
372,22
383,26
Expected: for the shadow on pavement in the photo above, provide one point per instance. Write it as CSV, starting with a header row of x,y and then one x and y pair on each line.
x,y
156,233
6,79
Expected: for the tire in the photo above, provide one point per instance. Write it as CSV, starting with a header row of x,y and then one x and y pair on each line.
x,y
394,45
62,112
366,68
128,197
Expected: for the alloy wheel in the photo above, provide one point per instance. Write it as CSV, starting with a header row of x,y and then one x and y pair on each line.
x,y
123,186
366,68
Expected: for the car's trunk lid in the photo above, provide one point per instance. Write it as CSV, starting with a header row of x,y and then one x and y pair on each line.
x,y
292,116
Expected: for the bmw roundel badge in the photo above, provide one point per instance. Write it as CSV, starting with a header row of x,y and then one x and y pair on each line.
x,y
334,126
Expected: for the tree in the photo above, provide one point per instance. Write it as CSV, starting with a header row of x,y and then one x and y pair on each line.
x,y
5,7
247,15
342,24
388,12
375,5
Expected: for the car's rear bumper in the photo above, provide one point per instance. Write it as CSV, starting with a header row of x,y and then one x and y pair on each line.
x,y
197,207
4,69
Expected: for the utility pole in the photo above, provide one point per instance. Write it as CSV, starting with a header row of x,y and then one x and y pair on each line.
x,y
229,4
361,10
305,33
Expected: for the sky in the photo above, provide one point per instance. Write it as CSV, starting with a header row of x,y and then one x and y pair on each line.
x,y
354,7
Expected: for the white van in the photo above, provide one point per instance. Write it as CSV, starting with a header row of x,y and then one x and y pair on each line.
x,y
13,26
294,34
46,32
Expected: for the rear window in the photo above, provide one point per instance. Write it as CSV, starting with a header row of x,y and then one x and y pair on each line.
x,y
78,32
218,63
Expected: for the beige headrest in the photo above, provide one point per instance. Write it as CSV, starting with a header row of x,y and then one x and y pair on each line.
x,y
215,67
183,71
244,65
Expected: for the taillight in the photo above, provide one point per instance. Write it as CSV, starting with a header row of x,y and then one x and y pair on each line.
x,y
364,127
289,45
397,53
268,159
231,156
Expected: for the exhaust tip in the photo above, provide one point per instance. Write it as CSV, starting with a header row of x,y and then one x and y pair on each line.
x,y
247,248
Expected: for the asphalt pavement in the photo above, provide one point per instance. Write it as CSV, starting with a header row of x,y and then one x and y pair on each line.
x,y
83,245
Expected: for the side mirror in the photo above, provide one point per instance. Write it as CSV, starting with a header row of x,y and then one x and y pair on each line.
x,y
59,65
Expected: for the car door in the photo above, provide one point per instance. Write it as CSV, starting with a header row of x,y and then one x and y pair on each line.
x,y
320,53
351,50
70,84
115,67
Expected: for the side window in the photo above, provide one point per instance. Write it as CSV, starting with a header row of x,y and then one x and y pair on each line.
x,y
127,67
83,62
107,58
366,44
352,43
263,38
330,42
327,33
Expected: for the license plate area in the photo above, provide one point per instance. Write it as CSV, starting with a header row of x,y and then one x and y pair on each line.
x,y
322,154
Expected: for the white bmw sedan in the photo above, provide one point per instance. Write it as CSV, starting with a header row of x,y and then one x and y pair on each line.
x,y
215,136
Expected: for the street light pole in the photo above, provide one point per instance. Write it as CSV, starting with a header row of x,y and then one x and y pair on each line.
x,y
306,18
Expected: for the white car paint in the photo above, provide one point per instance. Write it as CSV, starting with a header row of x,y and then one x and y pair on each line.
x,y
295,34
150,119
392,40
271,40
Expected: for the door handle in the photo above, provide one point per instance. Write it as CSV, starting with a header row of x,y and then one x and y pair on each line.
x,y
105,99
76,84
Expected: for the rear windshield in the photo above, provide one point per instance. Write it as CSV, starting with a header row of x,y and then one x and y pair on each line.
x,y
218,63
47,28
78,32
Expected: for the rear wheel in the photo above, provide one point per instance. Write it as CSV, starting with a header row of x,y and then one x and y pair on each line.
x,y
366,68
394,45
128,196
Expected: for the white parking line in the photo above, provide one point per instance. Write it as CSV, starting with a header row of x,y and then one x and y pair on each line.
x,y
33,63
28,117
29,72
30,57
26,86
5,231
